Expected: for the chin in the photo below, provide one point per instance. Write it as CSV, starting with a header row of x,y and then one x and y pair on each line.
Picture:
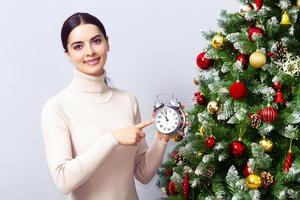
x,y
93,70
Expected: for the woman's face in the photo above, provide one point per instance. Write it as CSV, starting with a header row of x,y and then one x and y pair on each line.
x,y
87,49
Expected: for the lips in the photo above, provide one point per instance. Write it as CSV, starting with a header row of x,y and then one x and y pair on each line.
x,y
92,62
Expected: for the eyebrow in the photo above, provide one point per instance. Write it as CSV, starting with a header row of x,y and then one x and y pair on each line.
x,y
79,42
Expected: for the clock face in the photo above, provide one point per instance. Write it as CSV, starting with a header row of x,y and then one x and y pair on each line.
x,y
167,120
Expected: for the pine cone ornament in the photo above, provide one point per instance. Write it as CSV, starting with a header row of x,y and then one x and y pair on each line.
x,y
177,157
210,171
195,81
255,120
267,178
280,50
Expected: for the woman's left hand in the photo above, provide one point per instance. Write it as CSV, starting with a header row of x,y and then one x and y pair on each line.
x,y
162,137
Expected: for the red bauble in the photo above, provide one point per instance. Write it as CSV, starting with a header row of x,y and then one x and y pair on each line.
x,y
210,141
172,188
288,162
247,170
269,114
200,98
203,62
255,32
243,59
237,148
259,4
237,90
185,186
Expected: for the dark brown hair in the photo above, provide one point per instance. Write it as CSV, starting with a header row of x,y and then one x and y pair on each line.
x,y
75,20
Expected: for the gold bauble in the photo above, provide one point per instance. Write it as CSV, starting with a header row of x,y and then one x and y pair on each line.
x,y
177,138
214,107
257,59
247,7
253,181
298,3
266,144
218,41
285,19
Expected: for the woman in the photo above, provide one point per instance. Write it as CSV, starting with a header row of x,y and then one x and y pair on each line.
x,y
94,140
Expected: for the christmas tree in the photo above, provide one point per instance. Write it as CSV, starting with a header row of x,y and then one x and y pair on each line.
x,y
243,137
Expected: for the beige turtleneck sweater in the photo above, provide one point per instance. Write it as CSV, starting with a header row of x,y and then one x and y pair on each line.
x,y
85,160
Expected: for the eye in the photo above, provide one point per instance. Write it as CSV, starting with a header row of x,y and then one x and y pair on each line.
x,y
97,41
77,46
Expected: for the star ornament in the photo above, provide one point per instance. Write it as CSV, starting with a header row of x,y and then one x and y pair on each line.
x,y
289,64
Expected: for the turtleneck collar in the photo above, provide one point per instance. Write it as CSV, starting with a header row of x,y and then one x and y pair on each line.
x,y
90,89
87,83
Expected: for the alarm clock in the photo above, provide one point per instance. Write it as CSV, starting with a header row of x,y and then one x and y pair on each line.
x,y
169,117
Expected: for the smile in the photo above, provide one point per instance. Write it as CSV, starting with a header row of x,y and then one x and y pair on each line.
x,y
92,62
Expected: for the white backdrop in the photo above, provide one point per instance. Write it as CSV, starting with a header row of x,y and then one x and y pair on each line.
x,y
153,48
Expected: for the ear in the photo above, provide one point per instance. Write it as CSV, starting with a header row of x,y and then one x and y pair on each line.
x,y
67,55
107,41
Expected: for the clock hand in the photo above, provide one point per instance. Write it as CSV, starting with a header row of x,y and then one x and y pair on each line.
x,y
166,114
163,114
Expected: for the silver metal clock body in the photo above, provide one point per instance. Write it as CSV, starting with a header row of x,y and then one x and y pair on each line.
x,y
169,120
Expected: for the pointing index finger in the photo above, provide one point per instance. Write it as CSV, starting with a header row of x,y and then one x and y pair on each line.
x,y
144,124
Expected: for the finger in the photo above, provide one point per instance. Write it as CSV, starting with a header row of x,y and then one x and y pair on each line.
x,y
186,114
141,134
144,124
165,138
153,114
138,139
162,137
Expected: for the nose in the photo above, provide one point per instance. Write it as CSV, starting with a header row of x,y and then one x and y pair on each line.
x,y
90,50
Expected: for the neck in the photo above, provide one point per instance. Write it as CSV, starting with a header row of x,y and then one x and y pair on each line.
x,y
86,83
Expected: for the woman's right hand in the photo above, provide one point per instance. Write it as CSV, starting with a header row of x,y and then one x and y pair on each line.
x,y
131,135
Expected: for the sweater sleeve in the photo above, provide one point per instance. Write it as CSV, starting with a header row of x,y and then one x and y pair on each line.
x,y
147,160
68,172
